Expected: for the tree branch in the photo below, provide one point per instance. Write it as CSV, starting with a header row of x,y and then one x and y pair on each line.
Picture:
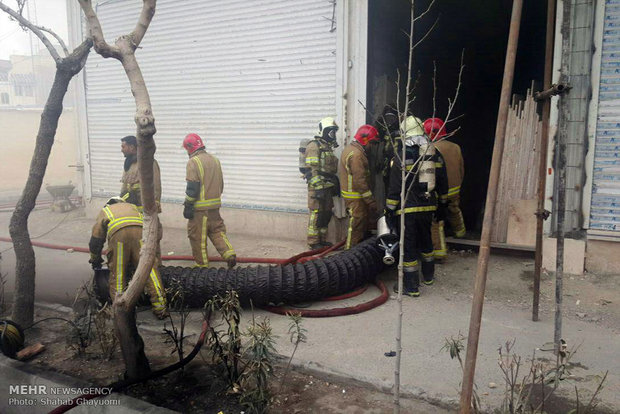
x,y
96,32
58,38
34,29
146,16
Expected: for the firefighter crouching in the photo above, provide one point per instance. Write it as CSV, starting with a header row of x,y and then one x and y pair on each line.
x,y
321,166
455,167
122,223
354,184
427,178
205,184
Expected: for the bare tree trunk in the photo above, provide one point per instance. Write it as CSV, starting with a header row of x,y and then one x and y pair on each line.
x,y
66,69
136,363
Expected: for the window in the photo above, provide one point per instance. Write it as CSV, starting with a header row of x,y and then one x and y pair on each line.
x,y
28,90
19,90
4,98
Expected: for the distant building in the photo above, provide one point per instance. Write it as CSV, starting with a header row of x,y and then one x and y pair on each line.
x,y
5,87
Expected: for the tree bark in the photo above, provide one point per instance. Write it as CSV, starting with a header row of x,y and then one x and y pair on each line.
x,y
66,69
136,363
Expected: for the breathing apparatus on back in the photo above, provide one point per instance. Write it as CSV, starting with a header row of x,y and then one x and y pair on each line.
x,y
415,137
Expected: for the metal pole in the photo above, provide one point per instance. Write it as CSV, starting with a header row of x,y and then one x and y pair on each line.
x,y
485,240
542,164
561,171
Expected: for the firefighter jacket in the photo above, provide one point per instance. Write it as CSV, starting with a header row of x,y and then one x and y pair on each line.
x,y
111,219
455,166
205,169
419,199
354,174
322,164
130,188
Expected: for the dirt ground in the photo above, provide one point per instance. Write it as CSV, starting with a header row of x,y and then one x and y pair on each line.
x,y
198,389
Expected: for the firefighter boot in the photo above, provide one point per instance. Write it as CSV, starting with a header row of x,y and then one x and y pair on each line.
x,y
411,284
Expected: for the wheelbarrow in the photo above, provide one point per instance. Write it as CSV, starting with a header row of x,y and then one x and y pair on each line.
x,y
60,195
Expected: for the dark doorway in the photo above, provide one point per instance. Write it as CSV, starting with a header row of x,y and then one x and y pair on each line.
x,y
478,27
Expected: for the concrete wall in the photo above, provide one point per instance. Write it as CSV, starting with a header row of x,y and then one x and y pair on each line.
x,y
19,130
602,257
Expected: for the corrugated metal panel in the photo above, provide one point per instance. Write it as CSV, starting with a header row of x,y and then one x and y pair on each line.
x,y
251,77
605,206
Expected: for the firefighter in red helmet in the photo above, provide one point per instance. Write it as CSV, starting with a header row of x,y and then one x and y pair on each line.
x,y
435,129
205,184
355,186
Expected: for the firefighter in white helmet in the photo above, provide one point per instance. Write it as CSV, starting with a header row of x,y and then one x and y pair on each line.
x,y
320,173
426,182
121,223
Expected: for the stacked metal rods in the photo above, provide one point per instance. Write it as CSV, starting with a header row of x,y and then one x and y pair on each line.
x,y
292,283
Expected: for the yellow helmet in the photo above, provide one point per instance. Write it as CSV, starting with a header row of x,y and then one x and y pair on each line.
x,y
412,126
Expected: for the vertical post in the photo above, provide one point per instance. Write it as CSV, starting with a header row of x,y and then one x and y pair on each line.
x,y
483,255
542,164
560,169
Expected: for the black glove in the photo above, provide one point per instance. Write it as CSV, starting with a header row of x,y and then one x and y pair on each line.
x,y
441,213
188,210
320,194
96,262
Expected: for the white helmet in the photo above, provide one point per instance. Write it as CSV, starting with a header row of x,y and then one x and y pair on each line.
x,y
114,200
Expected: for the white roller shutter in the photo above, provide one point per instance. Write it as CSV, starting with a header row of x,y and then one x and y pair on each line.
x,y
251,77
605,206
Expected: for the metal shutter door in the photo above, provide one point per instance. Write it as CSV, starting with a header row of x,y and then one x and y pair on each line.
x,y
605,208
251,77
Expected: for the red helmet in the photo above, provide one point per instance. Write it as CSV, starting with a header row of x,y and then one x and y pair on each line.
x,y
435,128
366,133
192,143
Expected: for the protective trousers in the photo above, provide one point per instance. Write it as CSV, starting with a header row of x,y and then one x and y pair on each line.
x,y
454,214
357,212
440,250
208,223
320,216
455,218
418,247
124,252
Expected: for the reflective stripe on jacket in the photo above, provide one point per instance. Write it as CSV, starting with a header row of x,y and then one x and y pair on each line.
x,y
205,168
353,172
115,217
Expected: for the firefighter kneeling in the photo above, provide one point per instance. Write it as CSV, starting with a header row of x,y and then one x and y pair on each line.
x,y
426,176
122,224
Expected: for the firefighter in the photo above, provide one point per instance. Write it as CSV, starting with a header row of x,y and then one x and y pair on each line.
x,y
321,169
131,190
205,184
381,152
130,187
355,186
121,223
426,179
451,153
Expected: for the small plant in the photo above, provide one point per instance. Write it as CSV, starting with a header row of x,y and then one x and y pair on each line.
x,y
521,395
297,336
259,356
454,346
176,336
225,345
